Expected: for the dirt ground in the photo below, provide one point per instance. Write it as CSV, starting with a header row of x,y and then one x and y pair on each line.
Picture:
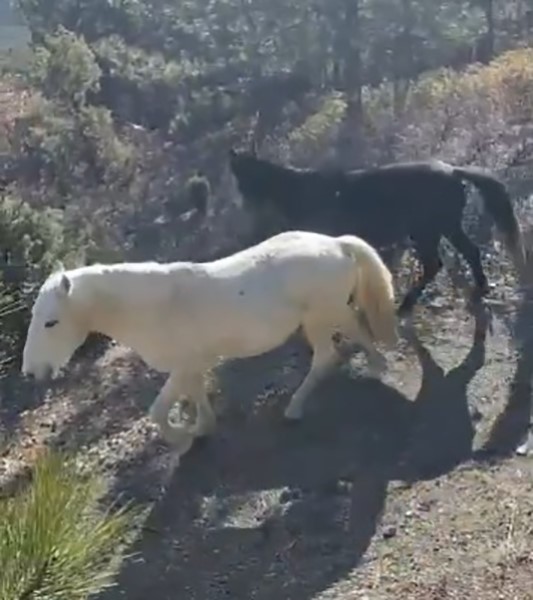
x,y
409,487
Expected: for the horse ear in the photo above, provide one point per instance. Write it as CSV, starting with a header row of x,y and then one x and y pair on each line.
x,y
253,147
65,285
59,267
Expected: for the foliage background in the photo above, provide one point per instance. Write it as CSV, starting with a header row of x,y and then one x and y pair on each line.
x,y
117,105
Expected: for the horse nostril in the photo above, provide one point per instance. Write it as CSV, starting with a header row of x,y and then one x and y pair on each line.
x,y
26,371
46,374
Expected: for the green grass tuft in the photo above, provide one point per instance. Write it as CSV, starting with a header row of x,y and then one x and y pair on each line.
x,y
55,543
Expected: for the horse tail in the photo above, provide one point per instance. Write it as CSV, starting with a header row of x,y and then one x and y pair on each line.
x,y
498,204
373,292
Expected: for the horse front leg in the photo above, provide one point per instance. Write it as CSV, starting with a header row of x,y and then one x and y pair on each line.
x,y
205,416
470,252
180,437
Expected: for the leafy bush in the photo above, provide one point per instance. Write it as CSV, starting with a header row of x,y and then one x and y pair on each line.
x,y
70,148
55,544
198,192
139,86
472,116
108,158
32,241
506,84
319,130
65,68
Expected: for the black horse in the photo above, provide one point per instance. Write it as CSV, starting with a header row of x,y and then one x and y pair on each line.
x,y
385,206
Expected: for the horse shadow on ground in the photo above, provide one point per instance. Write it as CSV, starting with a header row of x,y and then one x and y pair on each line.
x,y
512,427
265,510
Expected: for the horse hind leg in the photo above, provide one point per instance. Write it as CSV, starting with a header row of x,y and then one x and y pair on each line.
x,y
427,249
376,361
357,333
325,357
470,252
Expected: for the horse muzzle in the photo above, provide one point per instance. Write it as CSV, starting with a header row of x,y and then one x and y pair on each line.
x,y
40,373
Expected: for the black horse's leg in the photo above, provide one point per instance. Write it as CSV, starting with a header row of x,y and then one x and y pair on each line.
x,y
472,255
427,250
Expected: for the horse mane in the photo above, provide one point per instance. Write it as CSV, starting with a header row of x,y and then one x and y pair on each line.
x,y
246,163
260,179
112,280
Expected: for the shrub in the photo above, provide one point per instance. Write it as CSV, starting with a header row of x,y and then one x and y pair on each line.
x,y
64,68
109,159
198,192
473,116
32,241
71,148
319,130
139,86
55,543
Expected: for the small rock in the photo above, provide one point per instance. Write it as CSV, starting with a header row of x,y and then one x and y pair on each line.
x,y
476,415
389,532
337,487
289,495
523,449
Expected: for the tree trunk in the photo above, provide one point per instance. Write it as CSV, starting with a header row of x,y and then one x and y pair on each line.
x,y
490,40
350,146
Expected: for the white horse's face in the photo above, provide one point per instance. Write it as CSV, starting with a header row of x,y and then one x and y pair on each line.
x,y
54,333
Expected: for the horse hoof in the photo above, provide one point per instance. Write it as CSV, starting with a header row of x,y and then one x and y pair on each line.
x,y
405,311
375,371
291,420
181,445
479,293
201,441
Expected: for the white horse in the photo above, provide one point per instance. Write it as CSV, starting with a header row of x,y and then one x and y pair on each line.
x,y
182,317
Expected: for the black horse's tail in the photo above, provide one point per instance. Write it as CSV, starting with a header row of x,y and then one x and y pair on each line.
x,y
498,204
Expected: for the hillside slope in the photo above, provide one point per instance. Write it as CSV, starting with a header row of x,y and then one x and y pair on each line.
x,y
403,488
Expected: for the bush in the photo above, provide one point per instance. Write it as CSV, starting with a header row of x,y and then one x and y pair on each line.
x,y
72,148
319,130
198,192
65,68
32,241
473,116
139,86
55,544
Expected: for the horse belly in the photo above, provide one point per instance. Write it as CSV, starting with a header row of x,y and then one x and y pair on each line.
x,y
254,332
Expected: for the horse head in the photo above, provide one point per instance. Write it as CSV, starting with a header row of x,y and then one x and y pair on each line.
x,y
56,328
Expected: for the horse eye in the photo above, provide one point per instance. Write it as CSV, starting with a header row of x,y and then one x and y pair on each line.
x,y
52,323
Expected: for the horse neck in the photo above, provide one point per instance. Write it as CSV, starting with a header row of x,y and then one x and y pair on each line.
x,y
106,298
115,300
279,183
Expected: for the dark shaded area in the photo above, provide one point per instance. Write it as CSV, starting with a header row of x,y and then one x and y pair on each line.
x,y
444,431
265,510
513,425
